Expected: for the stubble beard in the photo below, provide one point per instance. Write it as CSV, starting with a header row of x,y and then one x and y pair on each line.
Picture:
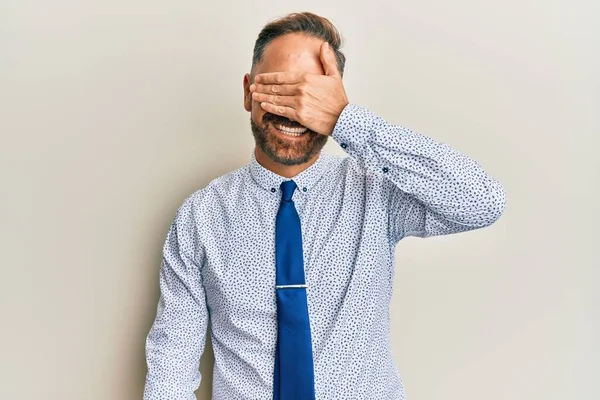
x,y
282,151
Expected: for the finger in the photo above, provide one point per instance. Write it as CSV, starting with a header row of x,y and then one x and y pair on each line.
x,y
284,111
279,78
284,90
328,60
277,100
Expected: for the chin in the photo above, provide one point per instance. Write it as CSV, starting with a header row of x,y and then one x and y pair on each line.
x,y
285,157
293,151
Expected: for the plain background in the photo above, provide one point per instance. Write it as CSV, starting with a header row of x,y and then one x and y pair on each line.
x,y
112,112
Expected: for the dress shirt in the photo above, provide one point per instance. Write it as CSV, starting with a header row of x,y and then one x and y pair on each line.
x,y
218,263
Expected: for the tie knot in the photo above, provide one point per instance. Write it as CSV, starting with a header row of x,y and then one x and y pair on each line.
x,y
287,189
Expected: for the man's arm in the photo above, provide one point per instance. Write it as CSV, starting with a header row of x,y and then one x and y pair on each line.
x,y
177,337
433,189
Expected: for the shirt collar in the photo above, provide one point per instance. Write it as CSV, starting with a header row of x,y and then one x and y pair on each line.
x,y
271,181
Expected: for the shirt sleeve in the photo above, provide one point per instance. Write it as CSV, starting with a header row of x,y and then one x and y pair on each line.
x,y
432,189
177,337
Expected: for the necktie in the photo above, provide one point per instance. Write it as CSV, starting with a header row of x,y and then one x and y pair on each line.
x,y
294,373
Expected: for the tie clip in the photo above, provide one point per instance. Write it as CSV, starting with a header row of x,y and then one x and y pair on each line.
x,y
291,286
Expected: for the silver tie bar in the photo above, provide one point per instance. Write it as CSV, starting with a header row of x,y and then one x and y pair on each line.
x,y
291,286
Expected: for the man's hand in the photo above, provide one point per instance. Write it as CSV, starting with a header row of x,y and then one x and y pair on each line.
x,y
315,101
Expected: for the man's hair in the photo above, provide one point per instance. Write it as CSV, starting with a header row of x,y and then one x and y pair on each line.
x,y
307,23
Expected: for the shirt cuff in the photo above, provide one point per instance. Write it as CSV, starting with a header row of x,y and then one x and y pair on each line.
x,y
353,128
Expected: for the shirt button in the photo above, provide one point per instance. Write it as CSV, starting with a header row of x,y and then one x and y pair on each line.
x,y
344,145
304,189
385,170
273,190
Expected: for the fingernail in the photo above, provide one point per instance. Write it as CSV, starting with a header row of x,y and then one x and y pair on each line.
x,y
252,87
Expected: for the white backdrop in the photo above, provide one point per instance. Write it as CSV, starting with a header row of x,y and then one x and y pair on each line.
x,y
112,112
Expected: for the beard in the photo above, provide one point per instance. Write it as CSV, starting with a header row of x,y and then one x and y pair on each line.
x,y
292,152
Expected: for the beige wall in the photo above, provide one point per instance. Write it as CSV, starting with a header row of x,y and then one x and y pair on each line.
x,y
113,111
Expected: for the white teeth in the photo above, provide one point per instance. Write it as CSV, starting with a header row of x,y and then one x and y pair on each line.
x,y
291,131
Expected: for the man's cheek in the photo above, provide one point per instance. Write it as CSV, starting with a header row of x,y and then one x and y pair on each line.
x,y
257,113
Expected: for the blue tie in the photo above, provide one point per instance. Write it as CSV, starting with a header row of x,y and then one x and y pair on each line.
x,y
294,373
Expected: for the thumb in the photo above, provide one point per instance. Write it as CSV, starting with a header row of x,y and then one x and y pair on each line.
x,y
328,60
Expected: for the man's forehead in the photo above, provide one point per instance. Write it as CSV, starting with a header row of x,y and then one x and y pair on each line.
x,y
293,52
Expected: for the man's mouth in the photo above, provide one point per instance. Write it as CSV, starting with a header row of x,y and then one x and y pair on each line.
x,y
290,131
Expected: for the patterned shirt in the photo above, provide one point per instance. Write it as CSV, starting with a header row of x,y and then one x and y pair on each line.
x,y
219,262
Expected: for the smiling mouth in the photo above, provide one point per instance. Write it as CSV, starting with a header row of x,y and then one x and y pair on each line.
x,y
289,131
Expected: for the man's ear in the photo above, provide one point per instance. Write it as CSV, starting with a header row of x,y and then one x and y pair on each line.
x,y
247,95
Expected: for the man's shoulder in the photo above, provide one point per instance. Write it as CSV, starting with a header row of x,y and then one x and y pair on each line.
x,y
218,186
348,166
221,187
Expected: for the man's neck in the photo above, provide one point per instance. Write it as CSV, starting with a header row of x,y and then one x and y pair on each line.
x,y
288,171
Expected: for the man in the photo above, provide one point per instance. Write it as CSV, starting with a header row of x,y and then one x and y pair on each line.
x,y
292,256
